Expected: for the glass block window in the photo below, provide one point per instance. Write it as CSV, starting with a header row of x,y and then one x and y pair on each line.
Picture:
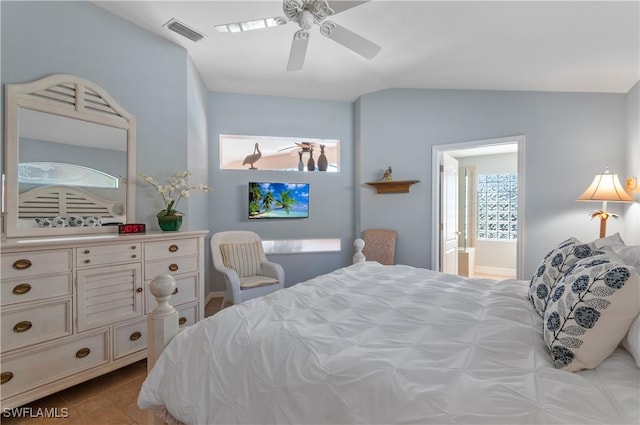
x,y
497,207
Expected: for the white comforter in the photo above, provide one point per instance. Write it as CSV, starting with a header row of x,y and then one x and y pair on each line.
x,y
384,344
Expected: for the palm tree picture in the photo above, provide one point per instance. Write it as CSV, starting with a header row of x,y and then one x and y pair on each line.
x,y
278,200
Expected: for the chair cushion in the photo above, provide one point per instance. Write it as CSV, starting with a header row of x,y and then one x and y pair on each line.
x,y
250,282
244,258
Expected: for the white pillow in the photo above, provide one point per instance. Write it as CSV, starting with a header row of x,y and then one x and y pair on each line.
x,y
632,341
614,239
629,254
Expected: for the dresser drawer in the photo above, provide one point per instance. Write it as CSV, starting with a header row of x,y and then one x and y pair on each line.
x,y
35,263
108,254
32,368
29,325
187,315
35,288
186,291
171,266
129,338
169,249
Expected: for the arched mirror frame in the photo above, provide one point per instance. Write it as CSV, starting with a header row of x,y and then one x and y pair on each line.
x,y
72,97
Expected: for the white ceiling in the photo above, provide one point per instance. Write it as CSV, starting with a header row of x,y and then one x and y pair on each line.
x,y
581,46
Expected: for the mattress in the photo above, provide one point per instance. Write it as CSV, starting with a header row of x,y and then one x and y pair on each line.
x,y
371,344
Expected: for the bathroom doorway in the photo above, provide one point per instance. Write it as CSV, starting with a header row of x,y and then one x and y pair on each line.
x,y
488,212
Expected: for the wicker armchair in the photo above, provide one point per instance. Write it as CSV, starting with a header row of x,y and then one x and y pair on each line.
x,y
239,256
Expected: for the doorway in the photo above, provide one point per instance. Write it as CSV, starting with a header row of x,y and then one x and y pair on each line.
x,y
478,204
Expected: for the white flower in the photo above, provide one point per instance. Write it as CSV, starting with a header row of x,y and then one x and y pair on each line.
x,y
176,182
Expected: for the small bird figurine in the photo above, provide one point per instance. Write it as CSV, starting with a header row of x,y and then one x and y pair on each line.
x,y
387,175
253,158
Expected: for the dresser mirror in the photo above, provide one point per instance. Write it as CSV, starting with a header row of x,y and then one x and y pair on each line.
x,y
69,152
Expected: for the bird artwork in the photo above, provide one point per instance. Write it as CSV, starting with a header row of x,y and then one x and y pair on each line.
x,y
253,158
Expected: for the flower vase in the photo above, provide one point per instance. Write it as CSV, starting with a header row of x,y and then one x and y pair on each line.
x,y
311,164
170,223
323,162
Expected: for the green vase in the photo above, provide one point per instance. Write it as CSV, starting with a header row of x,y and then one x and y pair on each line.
x,y
170,223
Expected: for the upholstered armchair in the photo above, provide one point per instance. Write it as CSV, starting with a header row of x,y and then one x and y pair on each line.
x,y
380,245
239,256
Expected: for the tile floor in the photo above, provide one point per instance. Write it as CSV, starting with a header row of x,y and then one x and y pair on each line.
x,y
106,400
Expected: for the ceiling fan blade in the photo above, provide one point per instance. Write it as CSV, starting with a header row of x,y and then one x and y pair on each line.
x,y
340,6
298,50
349,39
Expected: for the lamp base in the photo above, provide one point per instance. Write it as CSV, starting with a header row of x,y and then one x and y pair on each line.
x,y
603,216
603,227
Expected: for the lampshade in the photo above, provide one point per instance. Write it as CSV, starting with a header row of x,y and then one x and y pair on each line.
x,y
605,187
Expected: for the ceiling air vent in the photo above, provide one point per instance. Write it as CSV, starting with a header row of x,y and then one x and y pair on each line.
x,y
184,30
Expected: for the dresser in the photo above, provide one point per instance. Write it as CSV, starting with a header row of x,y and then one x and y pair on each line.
x,y
73,308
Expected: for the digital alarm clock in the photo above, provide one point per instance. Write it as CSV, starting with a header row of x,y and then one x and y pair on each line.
x,y
132,228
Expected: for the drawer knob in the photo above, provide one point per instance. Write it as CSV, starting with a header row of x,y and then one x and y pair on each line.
x,y
23,326
22,288
5,377
83,352
173,267
134,256
87,261
175,291
22,264
135,336
173,248
139,290
133,247
86,251
182,320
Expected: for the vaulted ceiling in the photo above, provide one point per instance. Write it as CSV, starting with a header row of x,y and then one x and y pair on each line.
x,y
580,46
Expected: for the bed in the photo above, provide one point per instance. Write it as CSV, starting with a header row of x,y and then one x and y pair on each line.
x,y
372,344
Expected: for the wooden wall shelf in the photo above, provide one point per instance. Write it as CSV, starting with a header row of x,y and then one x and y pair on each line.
x,y
393,186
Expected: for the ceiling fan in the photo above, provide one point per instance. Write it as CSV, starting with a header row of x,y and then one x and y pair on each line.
x,y
307,13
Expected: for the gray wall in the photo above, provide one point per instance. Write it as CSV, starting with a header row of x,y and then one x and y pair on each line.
x,y
331,194
569,138
145,74
632,216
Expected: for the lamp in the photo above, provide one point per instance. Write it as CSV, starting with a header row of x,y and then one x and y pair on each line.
x,y
606,188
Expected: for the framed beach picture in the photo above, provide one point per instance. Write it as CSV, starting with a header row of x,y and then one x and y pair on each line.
x,y
269,200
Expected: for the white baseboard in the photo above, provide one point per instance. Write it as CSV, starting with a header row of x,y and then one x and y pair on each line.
x,y
497,271
212,295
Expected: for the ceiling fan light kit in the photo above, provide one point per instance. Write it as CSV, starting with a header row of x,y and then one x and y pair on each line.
x,y
258,24
307,13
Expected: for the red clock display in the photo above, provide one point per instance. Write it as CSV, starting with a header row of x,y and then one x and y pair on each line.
x,y
131,228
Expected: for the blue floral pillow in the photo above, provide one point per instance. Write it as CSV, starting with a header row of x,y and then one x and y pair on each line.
x,y
590,311
85,221
553,267
52,221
